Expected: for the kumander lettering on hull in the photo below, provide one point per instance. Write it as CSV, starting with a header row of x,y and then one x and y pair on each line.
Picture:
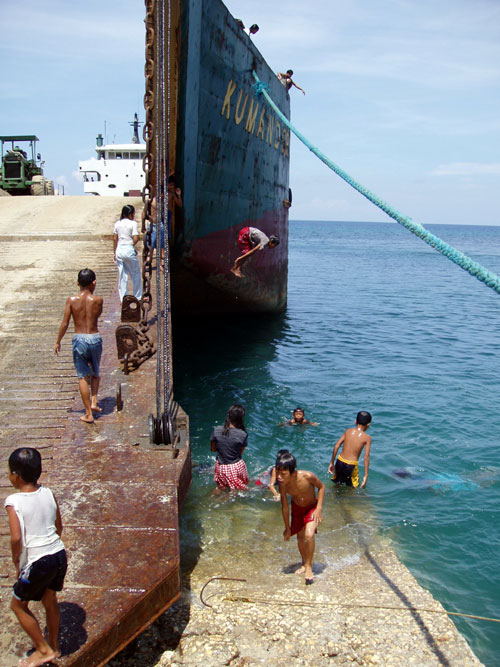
x,y
269,128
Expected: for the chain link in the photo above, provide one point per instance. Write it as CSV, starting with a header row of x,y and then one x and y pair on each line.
x,y
148,164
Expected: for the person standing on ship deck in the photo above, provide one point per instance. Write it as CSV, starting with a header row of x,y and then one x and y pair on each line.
x,y
251,30
286,80
125,237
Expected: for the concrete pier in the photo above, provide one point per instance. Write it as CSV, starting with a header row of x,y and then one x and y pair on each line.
x,y
119,496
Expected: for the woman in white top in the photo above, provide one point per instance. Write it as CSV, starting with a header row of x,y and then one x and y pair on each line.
x,y
125,237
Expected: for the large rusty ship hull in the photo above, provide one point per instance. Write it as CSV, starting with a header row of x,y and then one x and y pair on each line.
x,y
232,163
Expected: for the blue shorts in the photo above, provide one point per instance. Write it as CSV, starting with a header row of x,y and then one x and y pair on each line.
x,y
162,232
87,350
35,579
162,236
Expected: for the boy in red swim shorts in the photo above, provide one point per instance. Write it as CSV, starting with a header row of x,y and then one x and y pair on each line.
x,y
301,485
250,241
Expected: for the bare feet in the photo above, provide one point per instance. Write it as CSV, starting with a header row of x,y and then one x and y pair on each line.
x,y
309,575
37,659
96,408
301,570
87,420
237,272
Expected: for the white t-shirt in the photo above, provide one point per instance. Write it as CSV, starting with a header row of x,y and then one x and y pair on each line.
x,y
257,237
126,229
36,512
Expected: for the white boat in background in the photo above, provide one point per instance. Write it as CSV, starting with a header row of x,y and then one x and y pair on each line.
x,y
118,169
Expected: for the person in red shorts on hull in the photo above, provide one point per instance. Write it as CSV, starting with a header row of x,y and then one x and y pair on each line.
x,y
250,241
301,485
229,441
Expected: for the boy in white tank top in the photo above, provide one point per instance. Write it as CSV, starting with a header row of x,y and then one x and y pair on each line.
x,y
37,552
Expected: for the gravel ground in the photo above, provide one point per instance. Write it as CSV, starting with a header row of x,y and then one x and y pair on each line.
x,y
369,613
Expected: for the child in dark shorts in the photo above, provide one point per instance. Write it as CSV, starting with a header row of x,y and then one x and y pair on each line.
x,y
37,552
353,441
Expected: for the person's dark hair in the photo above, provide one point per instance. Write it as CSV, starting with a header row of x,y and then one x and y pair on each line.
x,y
171,178
127,211
86,277
27,463
290,72
281,451
299,408
363,418
286,461
274,240
234,416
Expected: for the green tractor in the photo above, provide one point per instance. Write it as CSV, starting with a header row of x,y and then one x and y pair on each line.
x,y
20,174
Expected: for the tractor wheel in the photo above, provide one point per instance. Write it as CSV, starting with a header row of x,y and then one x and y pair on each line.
x,y
50,187
38,187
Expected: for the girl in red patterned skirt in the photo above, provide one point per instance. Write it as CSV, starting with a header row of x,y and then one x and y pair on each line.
x,y
229,441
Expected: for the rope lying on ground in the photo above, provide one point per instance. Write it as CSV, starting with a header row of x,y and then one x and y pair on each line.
x,y
311,603
302,603
466,263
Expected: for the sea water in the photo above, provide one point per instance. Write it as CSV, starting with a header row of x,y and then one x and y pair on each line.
x,y
378,321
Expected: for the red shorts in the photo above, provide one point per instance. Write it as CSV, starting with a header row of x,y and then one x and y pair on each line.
x,y
301,516
244,240
232,475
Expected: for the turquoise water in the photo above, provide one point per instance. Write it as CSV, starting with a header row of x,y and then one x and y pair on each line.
x,y
379,321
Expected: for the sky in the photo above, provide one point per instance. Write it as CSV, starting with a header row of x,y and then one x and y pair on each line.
x,y
404,95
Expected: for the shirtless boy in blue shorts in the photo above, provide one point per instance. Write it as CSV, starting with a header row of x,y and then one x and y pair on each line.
x,y
354,440
85,308
37,552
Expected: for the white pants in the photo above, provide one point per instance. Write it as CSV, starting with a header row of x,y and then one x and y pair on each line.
x,y
128,265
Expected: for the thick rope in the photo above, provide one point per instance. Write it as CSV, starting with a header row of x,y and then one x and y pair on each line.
x,y
461,260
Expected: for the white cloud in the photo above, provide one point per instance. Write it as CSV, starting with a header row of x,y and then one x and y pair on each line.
x,y
467,169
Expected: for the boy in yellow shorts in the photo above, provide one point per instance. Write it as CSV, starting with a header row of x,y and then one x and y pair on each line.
x,y
354,440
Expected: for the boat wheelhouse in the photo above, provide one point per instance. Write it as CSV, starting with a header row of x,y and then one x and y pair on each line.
x,y
117,171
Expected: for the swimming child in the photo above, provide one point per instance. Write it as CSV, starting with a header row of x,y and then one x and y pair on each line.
x,y
37,552
299,419
354,440
301,485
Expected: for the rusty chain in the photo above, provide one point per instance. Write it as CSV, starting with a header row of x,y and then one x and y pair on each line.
x,y
148,161
133,342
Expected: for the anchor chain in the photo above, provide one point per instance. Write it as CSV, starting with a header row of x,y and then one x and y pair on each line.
x,y
134,344
156,167
148,160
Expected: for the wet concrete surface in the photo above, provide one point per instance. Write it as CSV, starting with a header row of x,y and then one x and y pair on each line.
x,y
118,494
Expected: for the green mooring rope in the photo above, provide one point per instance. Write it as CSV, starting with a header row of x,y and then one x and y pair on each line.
x,y
464,262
